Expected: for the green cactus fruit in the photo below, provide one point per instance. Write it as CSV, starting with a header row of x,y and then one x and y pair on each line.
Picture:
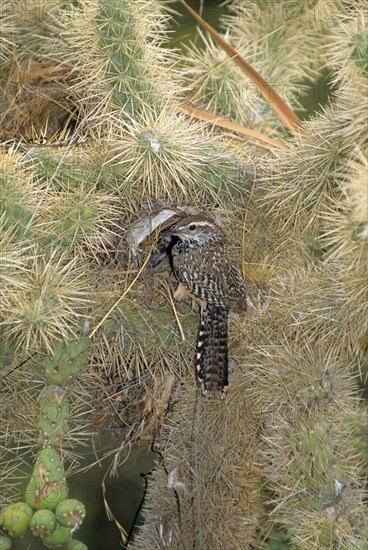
x,y
66,361
54,414
48,486
43,523
360,51
76,545
16,518
60,536
70,512
5,542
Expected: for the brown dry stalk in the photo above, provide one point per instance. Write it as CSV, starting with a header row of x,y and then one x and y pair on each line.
x,y
224,123
281,108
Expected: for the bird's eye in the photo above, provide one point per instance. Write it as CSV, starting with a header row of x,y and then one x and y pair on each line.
x,y
192,227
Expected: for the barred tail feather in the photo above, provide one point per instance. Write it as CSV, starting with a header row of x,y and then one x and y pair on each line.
x,y
212,351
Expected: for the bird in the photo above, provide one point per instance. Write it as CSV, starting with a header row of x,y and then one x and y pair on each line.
x,y
202,263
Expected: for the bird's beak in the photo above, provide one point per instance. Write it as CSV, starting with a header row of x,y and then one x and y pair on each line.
x,y
166,234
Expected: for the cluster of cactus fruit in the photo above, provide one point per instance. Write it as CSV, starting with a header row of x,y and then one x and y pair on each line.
x,y
47,511
54,520
95,78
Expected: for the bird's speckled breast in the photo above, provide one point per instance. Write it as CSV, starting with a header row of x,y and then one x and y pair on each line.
x,y
211,275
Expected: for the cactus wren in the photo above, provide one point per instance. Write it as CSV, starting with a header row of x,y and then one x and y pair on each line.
x,y
200,260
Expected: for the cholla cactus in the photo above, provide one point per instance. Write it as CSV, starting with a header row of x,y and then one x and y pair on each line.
x,y
91,335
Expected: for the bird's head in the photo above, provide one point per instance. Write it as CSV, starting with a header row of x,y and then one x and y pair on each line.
x,y
196,230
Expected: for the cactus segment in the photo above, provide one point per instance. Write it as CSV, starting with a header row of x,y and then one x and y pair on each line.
x,y
48,486
66,361
70,176
227,175
54,414
60,536
13,205
125,72
74,544
360,49
16,518
5,542
70,512
43,523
